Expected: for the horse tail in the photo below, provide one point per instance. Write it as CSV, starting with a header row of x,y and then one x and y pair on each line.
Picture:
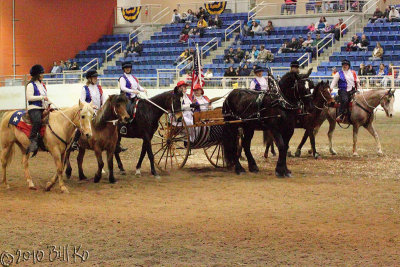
x,y
5,139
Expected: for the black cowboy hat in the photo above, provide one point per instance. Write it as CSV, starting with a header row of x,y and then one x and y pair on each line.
x,y
345,61
126,65
91,73
36,70
258,69
294,64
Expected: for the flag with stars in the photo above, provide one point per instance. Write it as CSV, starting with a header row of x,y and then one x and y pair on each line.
x,y
197,74
17,120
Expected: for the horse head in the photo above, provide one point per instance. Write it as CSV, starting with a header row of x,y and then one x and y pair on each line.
x,y
118,107
86,113
323,90
387,102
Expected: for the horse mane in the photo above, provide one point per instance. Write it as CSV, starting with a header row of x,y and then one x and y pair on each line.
x,y
100,119
317,88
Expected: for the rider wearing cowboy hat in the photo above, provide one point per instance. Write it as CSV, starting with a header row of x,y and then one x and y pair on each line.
x,y
90,93
346,80
259,83
36,94
199,98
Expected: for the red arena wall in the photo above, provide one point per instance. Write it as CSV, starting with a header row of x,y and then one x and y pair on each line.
x,y
48,31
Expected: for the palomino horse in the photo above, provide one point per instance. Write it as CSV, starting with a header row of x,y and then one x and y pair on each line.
x,y
57,136
105,136
145,124
362,114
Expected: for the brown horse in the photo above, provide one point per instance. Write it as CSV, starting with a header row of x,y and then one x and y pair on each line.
x,y
362,114
105,136
57,136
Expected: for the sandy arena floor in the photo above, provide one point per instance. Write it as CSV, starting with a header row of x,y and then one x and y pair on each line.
x,y
337,211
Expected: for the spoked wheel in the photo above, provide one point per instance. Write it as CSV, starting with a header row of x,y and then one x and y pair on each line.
x,y
170,144
215,155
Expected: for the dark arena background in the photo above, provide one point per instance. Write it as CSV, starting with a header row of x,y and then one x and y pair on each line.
x,y
338,207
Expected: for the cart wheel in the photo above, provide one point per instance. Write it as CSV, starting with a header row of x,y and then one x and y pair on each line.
x,y
170,144
215,155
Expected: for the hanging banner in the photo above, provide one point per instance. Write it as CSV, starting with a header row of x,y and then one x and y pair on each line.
x,y
131,14
215,8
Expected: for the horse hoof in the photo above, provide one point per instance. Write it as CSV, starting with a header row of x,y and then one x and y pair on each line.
x,y
64,189
96,179
265,155
254,169
82,178
49,185
317,156
68,173
113,181
333,152
122,172
240,170
310,151
33,188
7,186
103,171
289,154
356,155
157,177
380,153
288,175
298,153
279,175
138,173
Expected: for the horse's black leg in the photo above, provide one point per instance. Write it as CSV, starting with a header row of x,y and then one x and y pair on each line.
x,y
68,170
280,165
100,164
151,158
272,148
230,145
142,154
79,159
110,163
287,135
266,150
303,140
312,141
120,165
248,135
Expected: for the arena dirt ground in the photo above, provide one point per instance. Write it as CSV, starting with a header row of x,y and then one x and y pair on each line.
x,y
336,211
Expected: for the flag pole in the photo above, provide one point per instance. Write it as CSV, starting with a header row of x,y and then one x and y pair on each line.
x,y
198,61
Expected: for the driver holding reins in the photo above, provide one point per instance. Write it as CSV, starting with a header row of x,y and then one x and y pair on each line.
x,y
347,82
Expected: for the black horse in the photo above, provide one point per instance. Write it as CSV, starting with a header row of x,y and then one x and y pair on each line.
x,y
275,110
145,123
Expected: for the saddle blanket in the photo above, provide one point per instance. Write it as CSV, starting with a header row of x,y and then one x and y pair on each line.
x,y
18,121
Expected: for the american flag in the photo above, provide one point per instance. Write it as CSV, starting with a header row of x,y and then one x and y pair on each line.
x,y
197,74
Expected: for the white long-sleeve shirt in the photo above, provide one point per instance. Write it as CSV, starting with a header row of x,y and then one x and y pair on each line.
x,y
204,104
349,78
263,84
173,17
97,99
394,14
31,97
135,85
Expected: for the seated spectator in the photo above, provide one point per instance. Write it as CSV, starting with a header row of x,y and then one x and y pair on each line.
x,y
136,49
311,28
245,71
269,28
362,71
62,66
184,55
317,40
74,66
363,44
68,65
334,71
386,14
184,36
370,70
294,45
239,55
215,23
255,29
176,17
253,54
208,74
301,41
55,69
265,55
202,13
390,73
339,27
201,26
230,56
284,48
189,16
308,42
394,15
247,57
353,45
252,73
189,65
377,53
230,72
378,15
382,70
321,24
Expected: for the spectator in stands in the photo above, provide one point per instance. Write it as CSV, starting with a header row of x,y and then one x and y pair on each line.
x,y
269,28
386,14
245,71
208,74
253,54
247,57
262,55
394,15
62,66
184,36
382,70
317,40
370,70
362,71
230,72
255,29
137,49
321,24
252,73
334,71
176,17
189,66
353,45
377,15
308,42
202,13
239,55
363,44
74,66
230,56
377,53
185,54
55,69
68,65
388,76
311,28
339,27
215,23
201,26
190,16
294,45
284,48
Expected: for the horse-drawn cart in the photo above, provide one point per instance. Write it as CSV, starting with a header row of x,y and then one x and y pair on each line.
x,y
172,143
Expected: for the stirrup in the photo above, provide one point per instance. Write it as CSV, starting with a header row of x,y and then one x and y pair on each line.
x,y
123,130
74,146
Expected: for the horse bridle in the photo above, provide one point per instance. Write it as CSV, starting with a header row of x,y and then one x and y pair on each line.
x,y
325,101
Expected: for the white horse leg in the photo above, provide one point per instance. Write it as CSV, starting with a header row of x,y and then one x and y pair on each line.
x,y
373,132
5,154
332,126
28,177
138,173
355,133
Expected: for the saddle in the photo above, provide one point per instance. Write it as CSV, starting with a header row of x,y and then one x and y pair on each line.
x,y
131,107
20,119
45,117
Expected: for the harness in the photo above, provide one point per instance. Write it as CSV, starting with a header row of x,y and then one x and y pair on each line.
x,y
36,92
88,98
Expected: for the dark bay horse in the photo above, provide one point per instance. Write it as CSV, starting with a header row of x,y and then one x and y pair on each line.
x,y
145,124
320,100
105,136
275,110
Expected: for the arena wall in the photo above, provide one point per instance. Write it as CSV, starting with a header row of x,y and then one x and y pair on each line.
x,y
67,95
48,31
